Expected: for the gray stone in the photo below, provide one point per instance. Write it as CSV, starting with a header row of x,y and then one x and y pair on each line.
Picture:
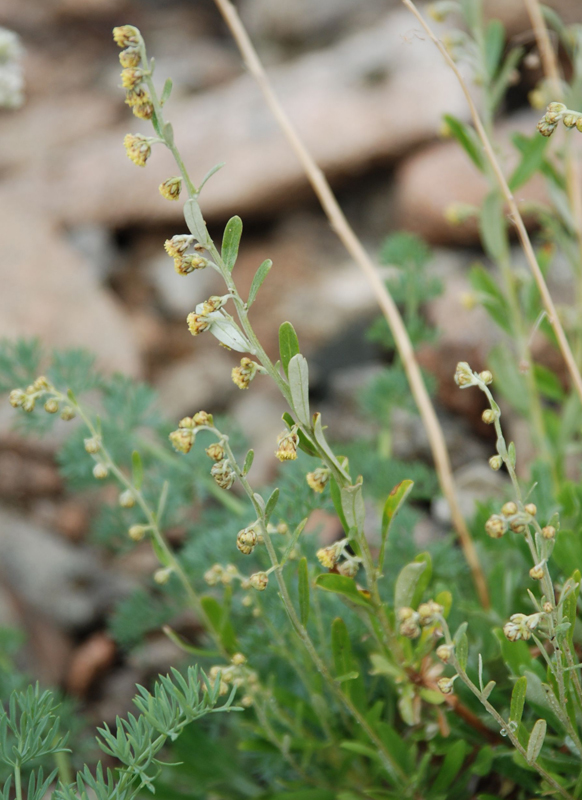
x,y
62,581
373,96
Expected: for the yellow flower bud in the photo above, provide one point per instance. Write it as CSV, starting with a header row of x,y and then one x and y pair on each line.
x,y
171,188
126,499
287,445
138,148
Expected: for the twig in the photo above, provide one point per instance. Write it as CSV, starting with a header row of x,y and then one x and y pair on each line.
x,y
352,244
514,213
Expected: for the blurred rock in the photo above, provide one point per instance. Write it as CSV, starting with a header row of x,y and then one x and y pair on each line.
x,y
258,415
90,660
303,22
156,655
476,482
371,97
49,291
117,690
441,175
51,575
22,477
201,381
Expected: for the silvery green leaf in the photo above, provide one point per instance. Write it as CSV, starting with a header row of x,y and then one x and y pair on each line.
x,y
271,504
480,671
260,276
353,505
167,91
488,689
299,385
227,332
322,442
210,173
248,461
511,455
231,242
406,583
501,447
462,651
536,741
259,501
195,221
169,133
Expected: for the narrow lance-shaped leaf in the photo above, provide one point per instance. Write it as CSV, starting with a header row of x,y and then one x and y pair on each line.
x,y
166,92
493,227
303,586
467,138
288,344
532,157
231,242
536,741
248,461
137,470
195,221
271,503
260,276
462,651
298,373
518,699
392,506
212,171
352,500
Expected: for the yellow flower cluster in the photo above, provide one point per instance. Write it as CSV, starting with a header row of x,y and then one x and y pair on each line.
x,y
138,148
243,375
132,75
287,445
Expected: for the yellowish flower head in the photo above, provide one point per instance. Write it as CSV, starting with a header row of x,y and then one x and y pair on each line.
x,y
287,445
125,36
197,323
171,188
137,148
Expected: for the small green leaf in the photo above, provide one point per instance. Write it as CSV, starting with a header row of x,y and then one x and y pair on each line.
x,y
340,584
248,462
195,221
209,175
468,140
494,44
137,470
161,555
392,506
493,226
451,767
462,651
511,454
536,741
488,689
168,133
322,442
548,383
406,583
303,586
271,503
231,241
293,541
336,497
352,501
185,645
166,91
260,276
288,344
298,373
518,699
532,157
491,296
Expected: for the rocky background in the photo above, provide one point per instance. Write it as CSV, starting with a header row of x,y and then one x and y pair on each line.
x,y
82,260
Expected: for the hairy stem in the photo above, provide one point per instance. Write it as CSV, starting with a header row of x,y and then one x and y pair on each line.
x,y
353,245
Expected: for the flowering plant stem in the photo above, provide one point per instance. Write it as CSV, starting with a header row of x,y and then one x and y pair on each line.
x,y
514,213
353,245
